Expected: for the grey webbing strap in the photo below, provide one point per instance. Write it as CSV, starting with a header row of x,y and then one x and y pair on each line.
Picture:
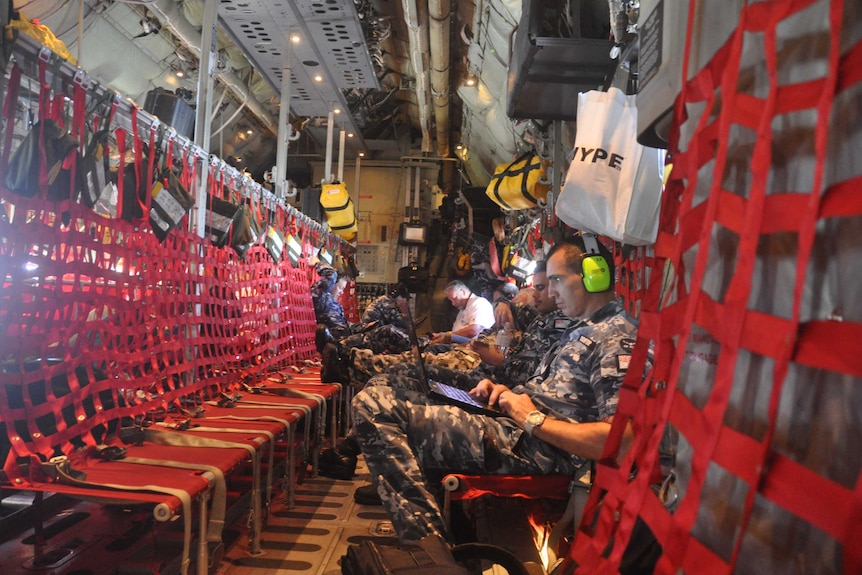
x,y
579,493
266,432
289,490
321,405
160,512
174,438
318,397
215,525
269,405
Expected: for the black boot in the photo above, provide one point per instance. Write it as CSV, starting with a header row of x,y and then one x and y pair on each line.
x,y
367,495
336,465
348,446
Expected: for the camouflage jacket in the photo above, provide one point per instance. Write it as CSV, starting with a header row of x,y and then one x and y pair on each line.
x,y
385,311
542,334
579,379
327,310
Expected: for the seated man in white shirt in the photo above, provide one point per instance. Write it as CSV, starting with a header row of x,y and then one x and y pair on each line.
x,y
475,314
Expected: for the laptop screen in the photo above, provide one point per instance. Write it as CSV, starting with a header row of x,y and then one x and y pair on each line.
x,y
414,345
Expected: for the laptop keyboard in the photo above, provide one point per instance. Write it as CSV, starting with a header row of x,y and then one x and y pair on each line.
x,y
457,394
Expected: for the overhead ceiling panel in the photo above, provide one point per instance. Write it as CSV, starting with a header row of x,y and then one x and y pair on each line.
x,y
335,27
331,46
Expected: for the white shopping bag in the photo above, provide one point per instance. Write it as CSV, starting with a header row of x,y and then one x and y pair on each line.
x,y
613,185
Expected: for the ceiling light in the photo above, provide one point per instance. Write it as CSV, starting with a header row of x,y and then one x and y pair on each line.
x,y
470,81
318,78
350,134
179,73
249,131
361,154
336,110
294,38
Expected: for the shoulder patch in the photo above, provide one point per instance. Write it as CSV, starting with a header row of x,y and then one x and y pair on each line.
x,y
627,344
562,323
623,362
586,341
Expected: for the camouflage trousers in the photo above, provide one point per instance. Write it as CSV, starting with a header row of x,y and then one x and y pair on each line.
x,y
405,435
382,339
364,363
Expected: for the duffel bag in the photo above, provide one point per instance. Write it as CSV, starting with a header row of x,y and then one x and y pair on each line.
x,y
339,210
519,184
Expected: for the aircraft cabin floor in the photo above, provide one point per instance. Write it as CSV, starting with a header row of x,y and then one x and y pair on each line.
x,y
83,538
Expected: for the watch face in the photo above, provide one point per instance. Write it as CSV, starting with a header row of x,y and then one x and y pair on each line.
x,y
535,417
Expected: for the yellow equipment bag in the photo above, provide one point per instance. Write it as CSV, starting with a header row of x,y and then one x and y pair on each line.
x,y
338,207
518,185
43,35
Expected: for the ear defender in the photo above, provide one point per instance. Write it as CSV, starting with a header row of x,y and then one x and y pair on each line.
x,y
594,268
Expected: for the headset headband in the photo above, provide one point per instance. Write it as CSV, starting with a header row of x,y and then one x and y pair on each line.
x,y
591,244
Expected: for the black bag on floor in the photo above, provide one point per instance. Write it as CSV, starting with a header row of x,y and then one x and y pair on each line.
x,y
333,368
430,556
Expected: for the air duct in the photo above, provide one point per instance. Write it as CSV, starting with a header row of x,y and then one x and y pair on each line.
x,y
170,17
438,18
418,37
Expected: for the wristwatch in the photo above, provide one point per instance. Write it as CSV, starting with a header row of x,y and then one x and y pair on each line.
x,y
534,419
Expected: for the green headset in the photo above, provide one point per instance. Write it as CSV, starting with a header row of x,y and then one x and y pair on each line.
x,y
594,267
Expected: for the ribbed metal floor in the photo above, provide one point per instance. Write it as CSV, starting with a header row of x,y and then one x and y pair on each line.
x,y
312,537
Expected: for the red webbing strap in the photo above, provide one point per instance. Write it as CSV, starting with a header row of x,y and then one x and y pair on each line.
x,y
212,186
188,178
745,447
526,486
138,151
190,168
149,174
79,130
79,112
120,134
10,105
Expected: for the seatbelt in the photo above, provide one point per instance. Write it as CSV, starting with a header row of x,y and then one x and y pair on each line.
x,y
173,438
60,469
289,489
290,392
215,524
266,432
321,422
269,405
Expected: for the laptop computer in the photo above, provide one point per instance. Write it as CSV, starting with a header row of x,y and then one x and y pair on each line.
x,y
441,391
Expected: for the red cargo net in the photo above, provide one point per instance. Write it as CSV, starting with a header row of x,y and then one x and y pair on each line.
x,y
99,320
756,326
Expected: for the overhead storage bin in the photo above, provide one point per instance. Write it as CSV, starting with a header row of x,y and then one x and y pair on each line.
x,y
546,73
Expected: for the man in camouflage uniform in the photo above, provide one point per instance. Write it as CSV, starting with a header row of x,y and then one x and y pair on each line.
x,y
544,330
556,421
324,296
388,309
382,328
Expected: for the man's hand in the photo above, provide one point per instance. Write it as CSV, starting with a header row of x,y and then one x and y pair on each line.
x,y
515,405
503,315
441,337
487,352
488,392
